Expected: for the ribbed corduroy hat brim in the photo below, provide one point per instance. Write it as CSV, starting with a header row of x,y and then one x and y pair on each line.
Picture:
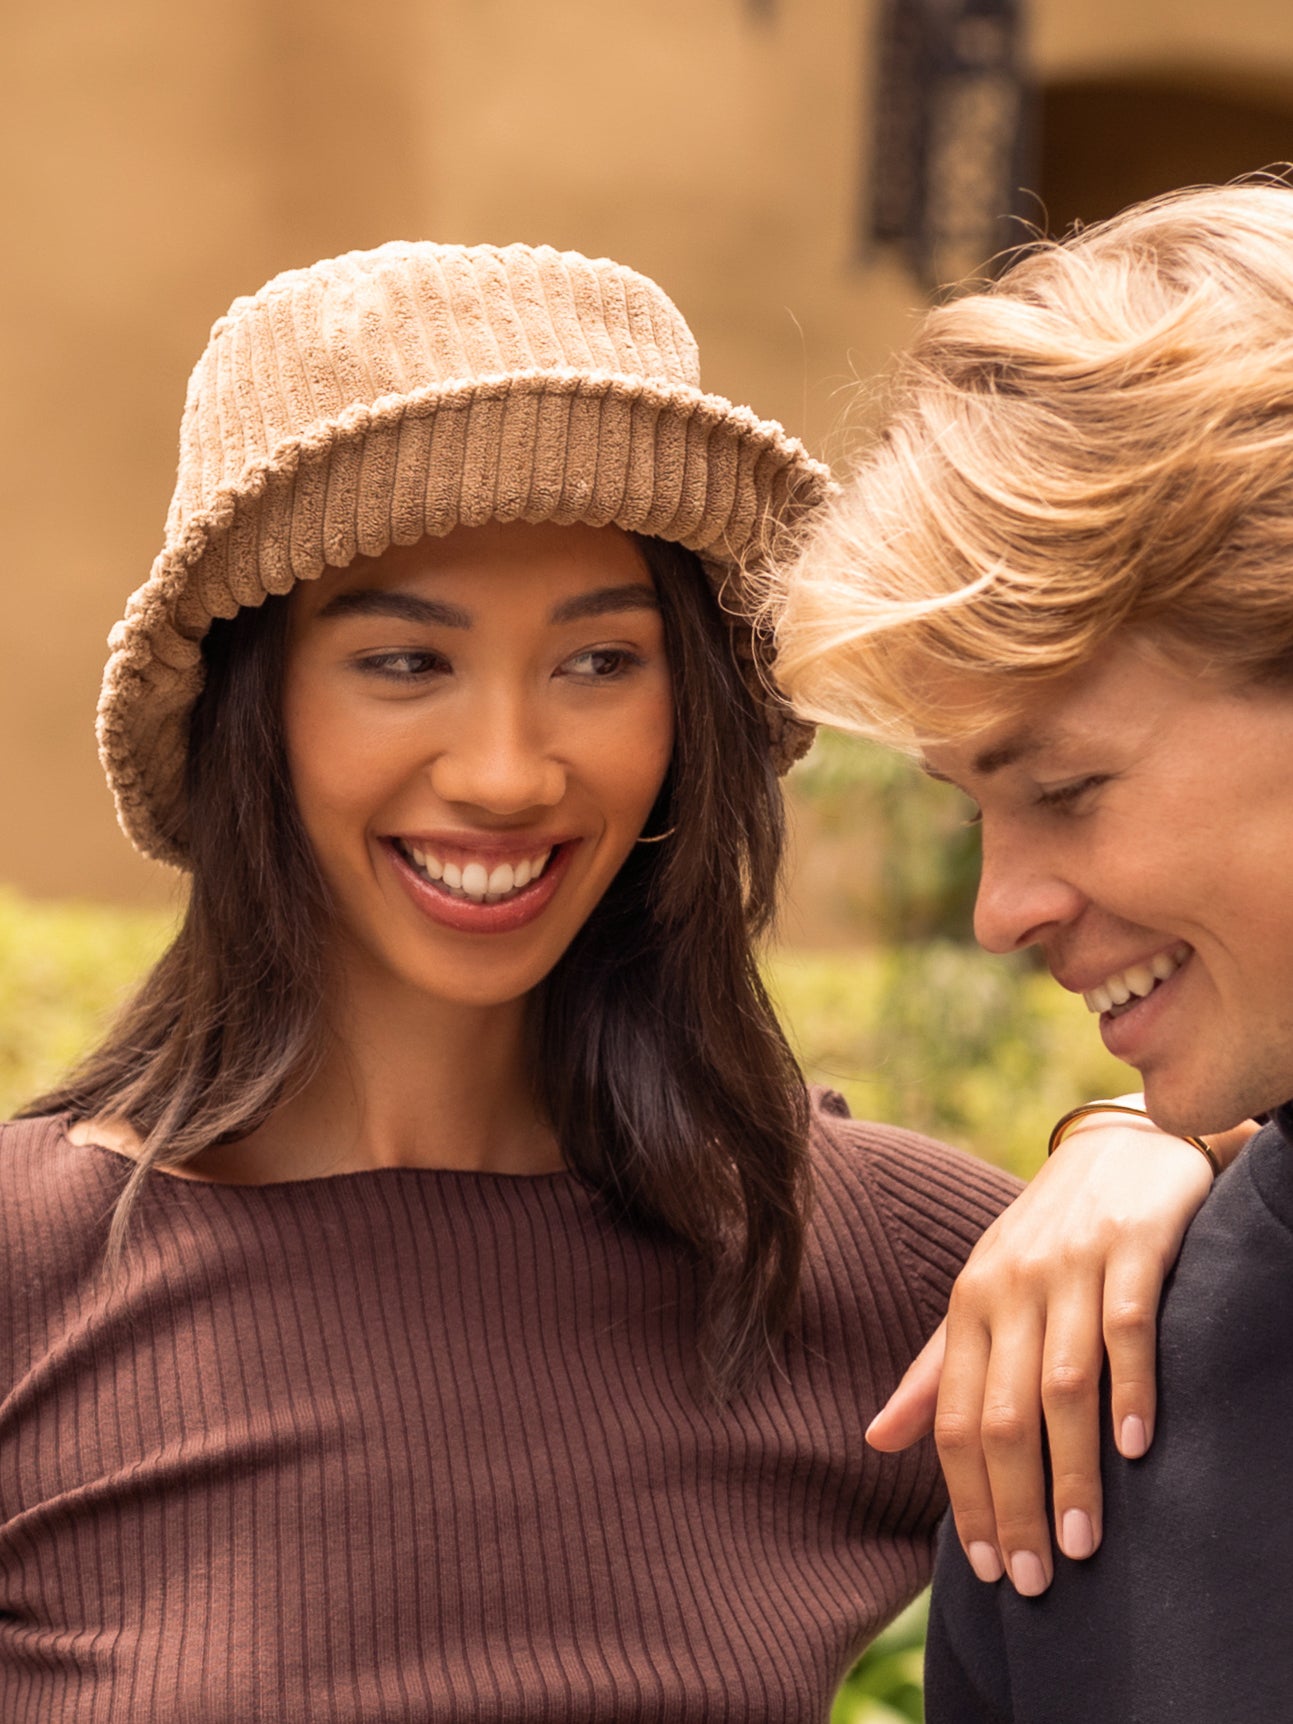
x,y
382,396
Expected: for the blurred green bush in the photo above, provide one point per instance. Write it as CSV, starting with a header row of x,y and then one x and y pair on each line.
x,y
64,968
888,1685
912,853
977,1050
983,1052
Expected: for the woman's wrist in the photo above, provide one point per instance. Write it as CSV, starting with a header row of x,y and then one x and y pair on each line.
x,y
1132,1109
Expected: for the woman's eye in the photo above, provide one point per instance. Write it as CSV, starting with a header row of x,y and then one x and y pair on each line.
x,y
406,666
601,664
1066,796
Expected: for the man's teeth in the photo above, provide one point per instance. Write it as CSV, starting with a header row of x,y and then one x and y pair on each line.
x,y
477,880
1137,981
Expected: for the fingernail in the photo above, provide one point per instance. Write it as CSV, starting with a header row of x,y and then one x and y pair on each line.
x,y
1027,1573
984,1560
1133,1440
1077,1535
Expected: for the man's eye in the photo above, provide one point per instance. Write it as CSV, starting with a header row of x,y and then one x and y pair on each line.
x,y
1065,796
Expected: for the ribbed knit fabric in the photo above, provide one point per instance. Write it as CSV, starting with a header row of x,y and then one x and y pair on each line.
x,y
411,1445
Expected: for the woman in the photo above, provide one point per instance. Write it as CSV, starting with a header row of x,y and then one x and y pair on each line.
x,y
466,1347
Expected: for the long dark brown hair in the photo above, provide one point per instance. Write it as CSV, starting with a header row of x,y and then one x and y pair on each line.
x,y
657,1055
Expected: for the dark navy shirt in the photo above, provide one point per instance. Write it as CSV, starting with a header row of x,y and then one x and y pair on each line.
x,y
1185,1613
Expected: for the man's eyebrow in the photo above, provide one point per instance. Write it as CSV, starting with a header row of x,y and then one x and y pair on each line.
x,y
1008,753
404,607
995,759
605,601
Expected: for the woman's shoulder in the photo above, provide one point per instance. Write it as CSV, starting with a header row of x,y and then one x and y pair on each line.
x,y
901,1169
908,1205
48,1183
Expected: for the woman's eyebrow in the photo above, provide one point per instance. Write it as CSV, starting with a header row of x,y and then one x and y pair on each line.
x,y
405,607
605,601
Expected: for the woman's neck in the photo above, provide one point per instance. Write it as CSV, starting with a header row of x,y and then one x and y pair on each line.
x,y
404,1081
410,1081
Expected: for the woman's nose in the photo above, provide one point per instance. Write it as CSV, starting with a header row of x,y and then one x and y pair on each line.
x,y
501,761
1021,898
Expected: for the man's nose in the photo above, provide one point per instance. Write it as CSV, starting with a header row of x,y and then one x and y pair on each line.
x,y
1021,898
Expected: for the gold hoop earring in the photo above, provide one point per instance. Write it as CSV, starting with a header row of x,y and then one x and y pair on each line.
x,y
658,837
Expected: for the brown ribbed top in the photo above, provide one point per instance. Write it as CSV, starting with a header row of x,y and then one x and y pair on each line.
x,y
420,1445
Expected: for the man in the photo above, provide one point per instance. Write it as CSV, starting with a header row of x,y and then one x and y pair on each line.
x,y
1064,579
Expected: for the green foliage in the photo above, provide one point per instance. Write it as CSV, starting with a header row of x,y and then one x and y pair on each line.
x,y
979,1051
886,1686
926,853
64,968
937,1036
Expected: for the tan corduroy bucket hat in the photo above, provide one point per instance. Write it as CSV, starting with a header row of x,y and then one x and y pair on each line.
x,y
384,395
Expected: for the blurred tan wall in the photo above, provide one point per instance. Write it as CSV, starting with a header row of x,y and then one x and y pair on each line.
x,y
1206,38
163,158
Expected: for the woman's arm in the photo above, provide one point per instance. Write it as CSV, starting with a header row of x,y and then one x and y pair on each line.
x,y
1072,1270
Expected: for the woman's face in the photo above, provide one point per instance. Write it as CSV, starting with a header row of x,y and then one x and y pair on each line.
x,y
477,727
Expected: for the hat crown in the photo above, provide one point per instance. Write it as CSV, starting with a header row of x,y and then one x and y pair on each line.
x,y
350,331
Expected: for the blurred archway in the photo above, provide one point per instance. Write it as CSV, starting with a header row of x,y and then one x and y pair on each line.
x,y
1108,141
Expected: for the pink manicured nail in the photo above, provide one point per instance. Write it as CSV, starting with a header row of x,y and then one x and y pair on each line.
x,y
1133,1440
984,1560
1077,1535
1027,1573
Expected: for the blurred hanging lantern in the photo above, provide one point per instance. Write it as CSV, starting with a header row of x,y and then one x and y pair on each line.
x,y
952,143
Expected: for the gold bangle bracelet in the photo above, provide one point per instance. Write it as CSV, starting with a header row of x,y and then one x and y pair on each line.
x,y
1060,1130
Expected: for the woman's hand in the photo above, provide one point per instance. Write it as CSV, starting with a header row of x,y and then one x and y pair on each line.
x,y
1072,1270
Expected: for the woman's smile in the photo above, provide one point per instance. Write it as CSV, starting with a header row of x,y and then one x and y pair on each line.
x,y
466,888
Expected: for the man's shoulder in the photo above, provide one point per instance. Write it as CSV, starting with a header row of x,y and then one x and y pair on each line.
x,y
1226,1327
1180,1614
1239,1246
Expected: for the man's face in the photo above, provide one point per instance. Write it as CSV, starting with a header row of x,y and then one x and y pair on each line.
x,y
1138,828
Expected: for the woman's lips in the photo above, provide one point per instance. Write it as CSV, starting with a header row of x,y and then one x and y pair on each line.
x,y
468,917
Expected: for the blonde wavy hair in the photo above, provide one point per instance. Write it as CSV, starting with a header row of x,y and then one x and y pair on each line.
x,y
1100,441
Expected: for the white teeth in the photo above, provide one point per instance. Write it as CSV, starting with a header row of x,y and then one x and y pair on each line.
x,y
476,880
1139,979
1136,979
